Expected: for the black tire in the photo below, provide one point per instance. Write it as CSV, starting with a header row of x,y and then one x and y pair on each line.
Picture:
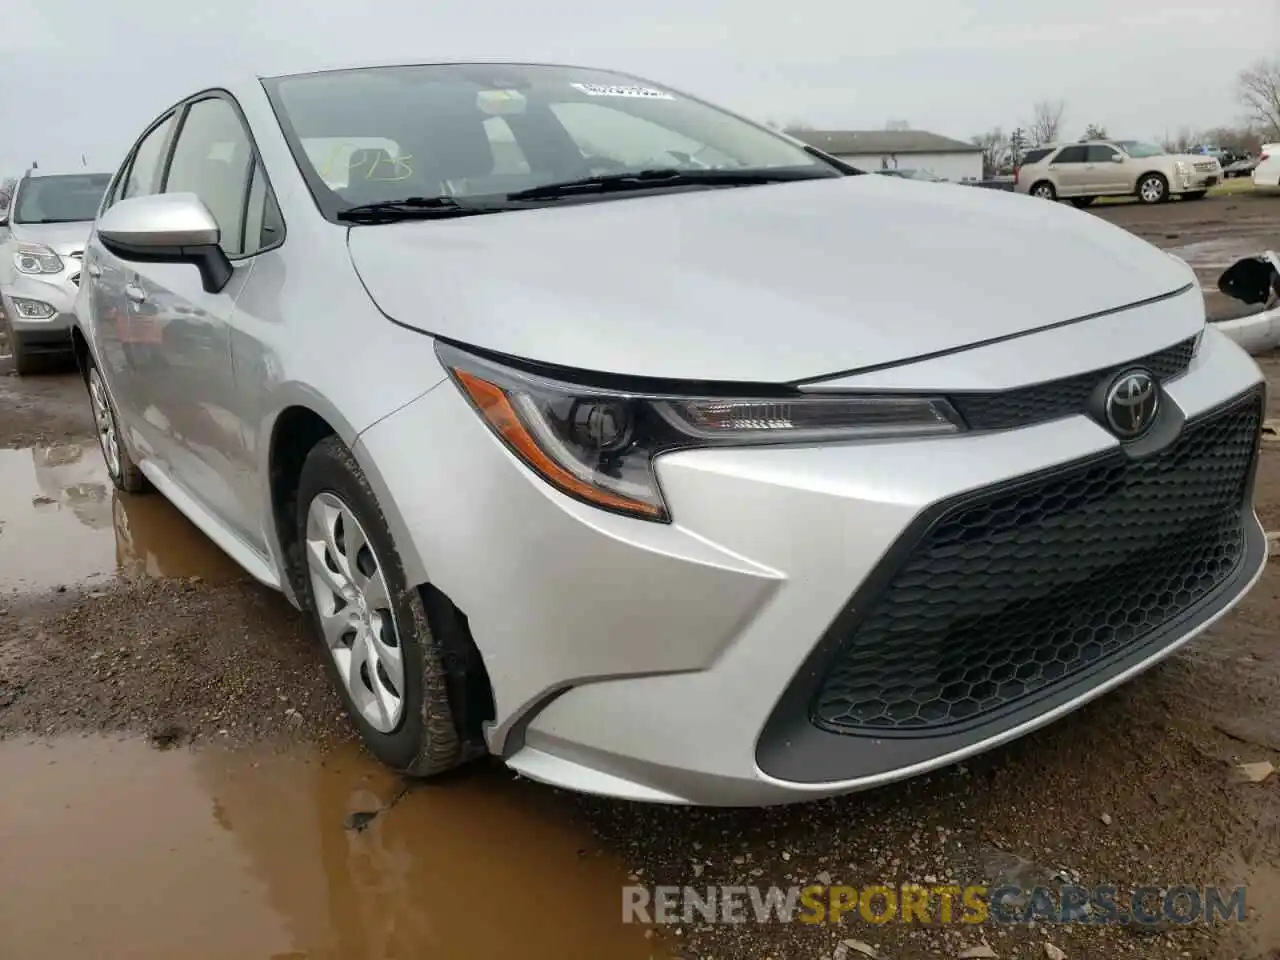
x,y
124,474
1044,190
1153,195
1195,195
425,742
1082,202
24,362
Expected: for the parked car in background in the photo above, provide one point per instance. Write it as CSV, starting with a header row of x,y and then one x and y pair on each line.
x,y
48,221
1239,168
670,461
1266,175
1082,172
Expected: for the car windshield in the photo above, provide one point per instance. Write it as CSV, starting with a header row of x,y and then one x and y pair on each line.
x,y
1138,149
69,198
463,131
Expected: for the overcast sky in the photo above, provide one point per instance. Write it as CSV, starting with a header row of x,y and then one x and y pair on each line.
x,y
84,76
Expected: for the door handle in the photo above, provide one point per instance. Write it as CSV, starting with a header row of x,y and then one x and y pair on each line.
x,y
134,293
94,270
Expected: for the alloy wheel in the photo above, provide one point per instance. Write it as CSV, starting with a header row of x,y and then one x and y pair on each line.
x,y
105,423
354,607
1152,190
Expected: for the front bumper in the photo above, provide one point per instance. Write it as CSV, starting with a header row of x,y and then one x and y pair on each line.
x,y
1195,181
58,291
679,663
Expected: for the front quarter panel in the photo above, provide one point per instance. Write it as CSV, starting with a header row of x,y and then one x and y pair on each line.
x,y
306,335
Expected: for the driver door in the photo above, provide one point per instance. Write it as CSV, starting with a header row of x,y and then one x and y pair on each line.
x,y
191,377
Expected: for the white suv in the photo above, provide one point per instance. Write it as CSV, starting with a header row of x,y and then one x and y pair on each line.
x,y
1266,175
1082,172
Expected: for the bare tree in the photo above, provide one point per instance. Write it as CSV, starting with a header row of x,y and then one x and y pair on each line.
x,y
995,147
1259,90
1241,139
1046,121
1095,131
1181,142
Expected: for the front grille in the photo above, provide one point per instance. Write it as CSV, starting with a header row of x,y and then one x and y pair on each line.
x,y
1027,586
75,278
1023,406
1206,166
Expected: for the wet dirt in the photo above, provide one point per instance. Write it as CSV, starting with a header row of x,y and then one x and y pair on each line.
x,y
63,523
219,824
39,411
128,852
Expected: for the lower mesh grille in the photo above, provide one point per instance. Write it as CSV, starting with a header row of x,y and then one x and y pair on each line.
x,y
1014,592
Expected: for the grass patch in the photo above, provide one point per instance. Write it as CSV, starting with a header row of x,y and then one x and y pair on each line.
x,y
1232,187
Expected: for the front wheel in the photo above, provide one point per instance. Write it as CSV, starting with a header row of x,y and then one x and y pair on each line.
x,y
121,468
1153,188
384,660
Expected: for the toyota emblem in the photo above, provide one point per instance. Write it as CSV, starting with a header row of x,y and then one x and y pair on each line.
x,y
1132,402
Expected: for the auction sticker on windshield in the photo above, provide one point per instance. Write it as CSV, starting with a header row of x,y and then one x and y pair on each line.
x,y
612,90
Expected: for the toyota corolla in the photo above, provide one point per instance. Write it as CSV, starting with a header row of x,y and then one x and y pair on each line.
x,y
660,455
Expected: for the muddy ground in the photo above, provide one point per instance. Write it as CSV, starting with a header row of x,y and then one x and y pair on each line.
x,y
176,778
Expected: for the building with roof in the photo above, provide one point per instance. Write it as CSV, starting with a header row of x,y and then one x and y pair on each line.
x,y
899,149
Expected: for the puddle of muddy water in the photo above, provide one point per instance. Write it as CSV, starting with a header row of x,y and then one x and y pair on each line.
x,y
63,523
110,848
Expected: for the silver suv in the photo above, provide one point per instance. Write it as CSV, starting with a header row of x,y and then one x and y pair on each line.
x,y
1082,172
42,238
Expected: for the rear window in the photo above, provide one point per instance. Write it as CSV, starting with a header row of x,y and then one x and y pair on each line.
x,y
1036,155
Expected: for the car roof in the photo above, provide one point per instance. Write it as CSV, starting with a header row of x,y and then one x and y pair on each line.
x,y
306,66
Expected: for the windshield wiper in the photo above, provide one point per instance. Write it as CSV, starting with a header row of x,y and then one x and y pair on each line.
x,y
648,179
410,208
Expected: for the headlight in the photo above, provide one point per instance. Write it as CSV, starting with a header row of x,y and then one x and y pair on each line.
x,y
600,445
36,258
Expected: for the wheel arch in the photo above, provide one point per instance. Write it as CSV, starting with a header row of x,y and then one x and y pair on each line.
x,y
294,431
302,417
1137,183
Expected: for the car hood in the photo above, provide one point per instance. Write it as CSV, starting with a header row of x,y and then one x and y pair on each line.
x,y
62,238
761,284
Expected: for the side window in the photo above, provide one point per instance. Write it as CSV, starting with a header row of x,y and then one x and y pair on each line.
x,y
1074,154
1035,156
212,159
144,175
1101,153
263,226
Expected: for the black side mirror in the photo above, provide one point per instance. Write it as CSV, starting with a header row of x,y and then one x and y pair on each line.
x,y
1251,280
